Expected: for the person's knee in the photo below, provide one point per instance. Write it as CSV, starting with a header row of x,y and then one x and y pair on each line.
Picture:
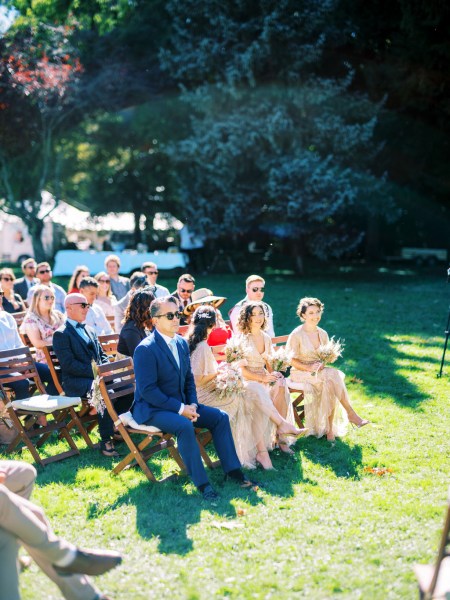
x,y
185,428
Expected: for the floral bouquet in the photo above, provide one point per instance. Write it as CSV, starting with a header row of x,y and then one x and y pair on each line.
x,y
280,360
229,381
95,397
327,353
236,350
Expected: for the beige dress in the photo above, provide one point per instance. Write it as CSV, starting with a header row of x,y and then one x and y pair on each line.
x,y
247,426
322,390
256,363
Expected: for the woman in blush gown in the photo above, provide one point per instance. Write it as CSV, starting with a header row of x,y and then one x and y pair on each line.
x,y
327,405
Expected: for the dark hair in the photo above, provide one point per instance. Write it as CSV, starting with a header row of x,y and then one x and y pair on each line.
x,y
138,309
203,318
245,316
138,279
305,303
157,302
88,282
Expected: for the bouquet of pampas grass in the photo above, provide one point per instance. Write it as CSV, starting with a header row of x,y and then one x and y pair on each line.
x,y
280,360
236,350
229,381
95,397
327,353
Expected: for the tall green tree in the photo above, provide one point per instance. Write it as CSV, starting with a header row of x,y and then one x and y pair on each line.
x,y
278,140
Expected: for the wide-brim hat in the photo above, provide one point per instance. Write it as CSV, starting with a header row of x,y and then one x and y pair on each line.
x,y
203,296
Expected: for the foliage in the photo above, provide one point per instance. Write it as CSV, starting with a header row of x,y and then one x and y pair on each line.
x,y
276,141
324,526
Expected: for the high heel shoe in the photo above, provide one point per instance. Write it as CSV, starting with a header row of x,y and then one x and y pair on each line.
x,y
297,433
283,445
260,464
360,424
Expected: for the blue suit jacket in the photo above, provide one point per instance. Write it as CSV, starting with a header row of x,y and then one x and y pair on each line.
x,y
75,359
160,384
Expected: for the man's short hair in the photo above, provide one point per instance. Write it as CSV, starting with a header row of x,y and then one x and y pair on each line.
x,y
138,280
26,262
112,258
186,277
158,302
43,264
147,265
252,278
88,282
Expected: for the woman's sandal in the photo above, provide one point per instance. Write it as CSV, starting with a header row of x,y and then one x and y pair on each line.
x,y
283,445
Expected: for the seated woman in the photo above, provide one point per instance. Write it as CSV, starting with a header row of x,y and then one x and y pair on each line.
x,y
221,333
327,405
269,384
105,297
10,340
74,283
137,322
12,302
39,324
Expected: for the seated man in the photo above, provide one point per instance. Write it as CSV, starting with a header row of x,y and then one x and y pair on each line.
x,y
44,274
95,317
76,345
185,287
23,522
254,286
166,398
151,271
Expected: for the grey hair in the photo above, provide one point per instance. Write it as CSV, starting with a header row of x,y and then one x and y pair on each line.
x,y
155,306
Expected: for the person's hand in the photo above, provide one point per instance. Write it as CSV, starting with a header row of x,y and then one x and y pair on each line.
x,y
269,378
317,366
278,375
190,412
2,477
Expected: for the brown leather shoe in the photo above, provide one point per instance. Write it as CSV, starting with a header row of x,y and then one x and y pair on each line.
x,y
91,562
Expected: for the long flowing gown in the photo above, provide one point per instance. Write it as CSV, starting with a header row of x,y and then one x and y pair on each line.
x,y
256,363
322,390
247,423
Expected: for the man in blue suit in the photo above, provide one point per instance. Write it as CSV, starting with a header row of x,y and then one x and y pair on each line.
x,y
166,398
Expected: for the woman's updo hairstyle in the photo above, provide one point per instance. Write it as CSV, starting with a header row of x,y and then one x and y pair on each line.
x,y
245,316
305,303
204,318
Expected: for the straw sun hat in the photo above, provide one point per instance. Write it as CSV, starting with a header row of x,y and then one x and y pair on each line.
x,y
203,296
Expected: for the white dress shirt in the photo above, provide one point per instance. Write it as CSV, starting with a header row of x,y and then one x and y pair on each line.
x,y
171,342
96,319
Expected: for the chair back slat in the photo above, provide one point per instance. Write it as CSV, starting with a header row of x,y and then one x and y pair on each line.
x,y
109,343
18,365
19,317
279,340
118,378
55,367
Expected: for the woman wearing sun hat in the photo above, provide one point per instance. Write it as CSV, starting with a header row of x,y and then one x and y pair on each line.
x,y
203,296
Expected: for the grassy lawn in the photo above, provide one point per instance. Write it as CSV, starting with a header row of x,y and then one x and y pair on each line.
x,y
324,526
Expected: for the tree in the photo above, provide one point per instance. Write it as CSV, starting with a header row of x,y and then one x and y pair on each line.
x,y
278,140
38,92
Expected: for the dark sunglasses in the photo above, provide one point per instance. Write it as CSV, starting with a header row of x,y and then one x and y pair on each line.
x,y
2,293
82,304
45,271
152,272
258,289
170,315
104,280
183,291
7,278
30,267
48,297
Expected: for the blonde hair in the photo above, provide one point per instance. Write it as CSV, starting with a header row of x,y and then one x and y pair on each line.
x,y
98,277
39,291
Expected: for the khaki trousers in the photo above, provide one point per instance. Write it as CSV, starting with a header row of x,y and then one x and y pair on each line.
x,y
22,522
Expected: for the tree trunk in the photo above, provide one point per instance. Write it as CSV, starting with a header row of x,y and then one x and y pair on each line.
x,y
35,228
298,254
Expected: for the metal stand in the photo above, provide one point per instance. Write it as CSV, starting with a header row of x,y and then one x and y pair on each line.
x,y
447,333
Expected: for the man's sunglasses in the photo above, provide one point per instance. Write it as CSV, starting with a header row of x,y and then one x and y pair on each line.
x,y
82,304
258,289
49,297
183,291
7,278
45,271
170,315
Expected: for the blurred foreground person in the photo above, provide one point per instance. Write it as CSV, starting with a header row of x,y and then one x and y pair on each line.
x,y
22,522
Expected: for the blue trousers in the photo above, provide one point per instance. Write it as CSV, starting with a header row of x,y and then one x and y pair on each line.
x,y
211,418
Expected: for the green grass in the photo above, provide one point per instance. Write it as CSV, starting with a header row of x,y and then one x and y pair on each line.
x,y
323,527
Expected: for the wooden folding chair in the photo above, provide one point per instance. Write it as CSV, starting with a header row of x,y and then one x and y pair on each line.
x,y
434,580
117,379
109,342
297,402
85,421
111,320
19,317
18,365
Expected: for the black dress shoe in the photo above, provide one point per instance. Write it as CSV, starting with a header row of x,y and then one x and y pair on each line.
x,y
107,449
91,562
210,494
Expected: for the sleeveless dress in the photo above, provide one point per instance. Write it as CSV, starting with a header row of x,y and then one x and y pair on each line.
x,y
322,390
256,363
247,423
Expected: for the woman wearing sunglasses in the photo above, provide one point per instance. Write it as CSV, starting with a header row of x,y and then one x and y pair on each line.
x,y
12,303
105,298
41,320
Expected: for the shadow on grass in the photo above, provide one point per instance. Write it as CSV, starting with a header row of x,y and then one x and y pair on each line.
x,y
344,460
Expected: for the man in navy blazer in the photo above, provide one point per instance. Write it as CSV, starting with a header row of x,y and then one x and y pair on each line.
x,y
166,398
76,346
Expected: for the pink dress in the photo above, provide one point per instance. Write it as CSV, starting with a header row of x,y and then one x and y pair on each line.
x,y
322,390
